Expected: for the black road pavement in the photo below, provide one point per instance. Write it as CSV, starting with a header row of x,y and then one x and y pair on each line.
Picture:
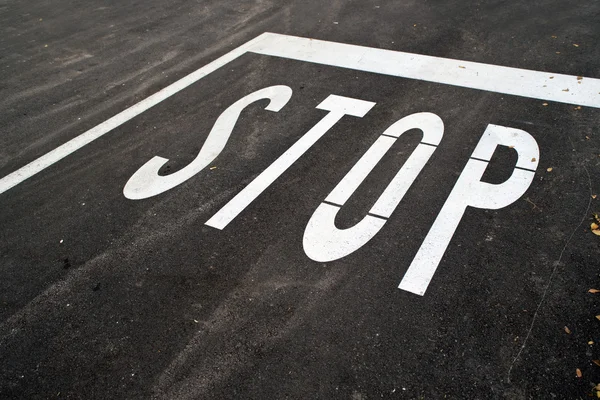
x,y
106,297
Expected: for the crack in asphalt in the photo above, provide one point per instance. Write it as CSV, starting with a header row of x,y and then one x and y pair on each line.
x,y
539,306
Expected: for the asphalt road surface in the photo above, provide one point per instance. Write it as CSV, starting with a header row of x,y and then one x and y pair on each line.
x,y
301,183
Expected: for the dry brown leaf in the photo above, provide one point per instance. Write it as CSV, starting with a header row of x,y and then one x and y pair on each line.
x,y
591,342
597,387
565,90
594,226
579,78
593,291
567,330
554,37
594,196
558,52
596,232
597,362
460,66
551,77
575,44
549,169
578,372
533,159
598,317
511,147
545,104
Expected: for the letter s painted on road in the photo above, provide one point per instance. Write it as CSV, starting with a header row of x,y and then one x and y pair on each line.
x,y
146,182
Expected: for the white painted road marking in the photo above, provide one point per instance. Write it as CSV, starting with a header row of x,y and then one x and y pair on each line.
x,y
338,106
100,130
146,182
491,78
514,81
322,240
470,191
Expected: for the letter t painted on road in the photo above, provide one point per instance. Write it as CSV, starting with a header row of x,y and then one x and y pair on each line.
x,y
338,106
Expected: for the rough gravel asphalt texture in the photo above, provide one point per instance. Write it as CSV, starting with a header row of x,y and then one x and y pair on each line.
x,y
102,297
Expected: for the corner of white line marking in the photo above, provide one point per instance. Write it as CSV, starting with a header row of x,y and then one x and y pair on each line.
x,y
408,288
